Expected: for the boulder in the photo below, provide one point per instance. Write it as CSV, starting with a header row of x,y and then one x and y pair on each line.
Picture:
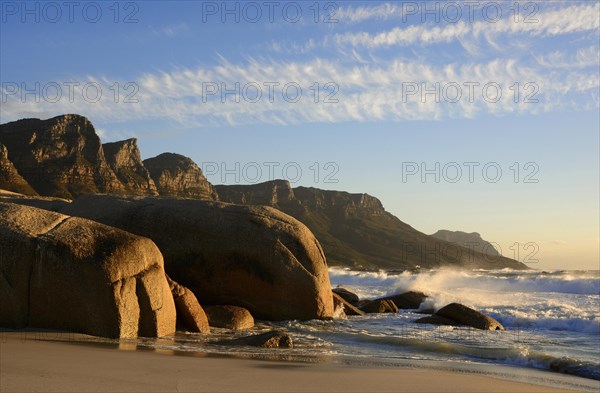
x,y
407,300
349,309
229,317
249,256
68,273
469,317
273,339
46,203
378,306
348,296
190,315
437,320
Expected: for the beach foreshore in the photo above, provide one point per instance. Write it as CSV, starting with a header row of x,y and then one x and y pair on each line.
x,y
28,365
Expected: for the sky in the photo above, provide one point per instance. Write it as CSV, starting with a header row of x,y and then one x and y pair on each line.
x,y
473,116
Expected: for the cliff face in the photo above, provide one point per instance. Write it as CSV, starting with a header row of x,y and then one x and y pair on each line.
x,y
60,157
63,157
10,179
356,231
125,160
177,175
468,240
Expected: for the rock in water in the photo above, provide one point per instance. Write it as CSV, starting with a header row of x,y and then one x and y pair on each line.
x,y
124,159
348,296
273,339
10,179
190,314
469,317
250,256
437,320
177,175
378,306
73,274
349,309
407,300
229,317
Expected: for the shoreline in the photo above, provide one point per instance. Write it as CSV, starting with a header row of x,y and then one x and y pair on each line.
x,y
69,363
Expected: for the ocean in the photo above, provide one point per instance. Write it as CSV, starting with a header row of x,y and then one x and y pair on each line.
x,y
552,321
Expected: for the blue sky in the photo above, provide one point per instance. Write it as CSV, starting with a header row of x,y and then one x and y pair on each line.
x,y
370,63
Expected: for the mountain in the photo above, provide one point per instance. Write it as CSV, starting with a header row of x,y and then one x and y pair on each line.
x,y
60,157
356,231
10,179
63,157
177,175
469,240
125,160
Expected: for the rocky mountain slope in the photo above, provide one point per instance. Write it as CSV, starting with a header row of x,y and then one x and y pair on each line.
x,y
63,157
472,241
125,160
356,231
10,179
177,175
60,157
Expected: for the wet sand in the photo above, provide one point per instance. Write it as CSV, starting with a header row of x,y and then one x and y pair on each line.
x,y
28,364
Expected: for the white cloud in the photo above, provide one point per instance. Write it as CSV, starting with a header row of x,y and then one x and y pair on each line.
x,y
171,30
369,91
362,13
550,23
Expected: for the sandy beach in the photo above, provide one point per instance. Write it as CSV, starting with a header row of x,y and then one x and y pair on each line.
x,y
32,365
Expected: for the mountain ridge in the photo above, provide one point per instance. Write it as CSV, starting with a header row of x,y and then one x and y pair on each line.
x,y
63,157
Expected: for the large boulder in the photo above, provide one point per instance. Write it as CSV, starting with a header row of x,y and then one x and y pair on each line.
x,y
190,314
437,320
229,317
407,300
377,306
349,308
73,274
46,203
469,317
347,295
250,256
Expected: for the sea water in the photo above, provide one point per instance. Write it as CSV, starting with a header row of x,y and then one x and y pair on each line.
x,y
552,322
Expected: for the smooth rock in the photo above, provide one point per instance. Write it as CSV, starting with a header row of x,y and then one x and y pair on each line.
x,y
229,317
379,306
349,309
348,296
408,300
469,317
437,320
250,256
68,273
190,314
273,339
